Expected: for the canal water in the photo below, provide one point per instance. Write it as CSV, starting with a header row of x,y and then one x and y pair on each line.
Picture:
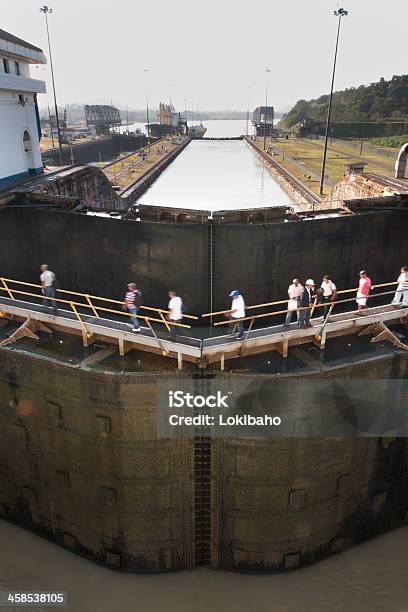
x,y
216,175
371,577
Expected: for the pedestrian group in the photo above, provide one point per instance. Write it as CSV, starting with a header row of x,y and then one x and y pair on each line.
x,y
302,298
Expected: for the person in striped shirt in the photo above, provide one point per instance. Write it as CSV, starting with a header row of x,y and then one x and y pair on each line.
x,y
401,293
131,305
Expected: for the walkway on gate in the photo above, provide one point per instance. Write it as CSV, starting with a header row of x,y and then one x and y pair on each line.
x,y
99,318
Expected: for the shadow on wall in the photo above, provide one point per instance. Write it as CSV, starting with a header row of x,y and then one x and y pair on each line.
x,y
100,256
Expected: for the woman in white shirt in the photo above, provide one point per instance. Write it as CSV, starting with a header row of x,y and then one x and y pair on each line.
x,y
295,291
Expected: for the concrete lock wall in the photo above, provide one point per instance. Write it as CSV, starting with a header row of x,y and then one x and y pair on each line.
x,y
99,255
81,463
262,260
280,504
102,149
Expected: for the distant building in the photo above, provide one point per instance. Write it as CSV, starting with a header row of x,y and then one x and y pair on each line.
x,y
20,131
262,120
102,117
309,128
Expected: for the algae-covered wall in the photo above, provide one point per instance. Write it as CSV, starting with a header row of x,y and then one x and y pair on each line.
x,y
99,255
283,503
81,463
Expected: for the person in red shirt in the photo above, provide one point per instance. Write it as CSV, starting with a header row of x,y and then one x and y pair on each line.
x,y
363,291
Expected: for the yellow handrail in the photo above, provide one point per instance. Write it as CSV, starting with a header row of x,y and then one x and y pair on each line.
x,y
276,303
88,299
162,320
87,333
86,305
97,297
3,280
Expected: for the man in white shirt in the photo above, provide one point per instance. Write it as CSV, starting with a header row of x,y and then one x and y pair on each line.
x,y
401,293
175,314
328,293
237,311
47,283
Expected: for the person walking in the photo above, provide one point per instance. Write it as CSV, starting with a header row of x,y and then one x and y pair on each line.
x,y
363,291
48,282
328,294
401,293
132,303
237,311
295,291
305,301
175,314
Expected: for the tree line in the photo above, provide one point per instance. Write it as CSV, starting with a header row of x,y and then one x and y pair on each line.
x,y
378,101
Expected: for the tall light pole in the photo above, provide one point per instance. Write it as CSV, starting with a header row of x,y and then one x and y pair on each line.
x,y
266,105
147,110
339,13
44,9
247,115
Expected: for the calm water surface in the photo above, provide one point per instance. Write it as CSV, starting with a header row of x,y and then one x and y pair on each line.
x,y
371,577
216,175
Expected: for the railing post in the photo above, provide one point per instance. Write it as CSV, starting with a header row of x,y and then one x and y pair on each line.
x,y
313,307
88,299
241,351
321,336
164,320
7,289
86,335
163,350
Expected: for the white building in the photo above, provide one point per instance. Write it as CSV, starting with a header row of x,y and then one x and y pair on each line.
x,y
19,118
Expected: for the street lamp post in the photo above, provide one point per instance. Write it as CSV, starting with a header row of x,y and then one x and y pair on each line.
x,y
247,115
266,105
339,13
44,9
147,111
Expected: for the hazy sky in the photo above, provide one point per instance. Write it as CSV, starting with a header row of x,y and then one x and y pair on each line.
x,y
212,52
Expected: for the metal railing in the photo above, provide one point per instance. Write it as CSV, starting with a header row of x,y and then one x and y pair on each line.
x,y
92,304
89,303
312,307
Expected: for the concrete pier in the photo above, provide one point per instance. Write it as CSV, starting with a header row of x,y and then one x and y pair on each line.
x,y
131,174
298,191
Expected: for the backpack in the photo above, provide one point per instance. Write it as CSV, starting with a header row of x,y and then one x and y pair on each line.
x,y
55,283
138,298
